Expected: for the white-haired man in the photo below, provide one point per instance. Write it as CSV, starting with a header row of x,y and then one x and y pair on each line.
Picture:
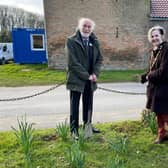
x,y
84,62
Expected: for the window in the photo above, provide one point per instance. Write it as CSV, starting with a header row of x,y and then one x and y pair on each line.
x,y
37,42
159,10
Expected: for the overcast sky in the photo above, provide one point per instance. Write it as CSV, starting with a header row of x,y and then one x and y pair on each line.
x,y
35,6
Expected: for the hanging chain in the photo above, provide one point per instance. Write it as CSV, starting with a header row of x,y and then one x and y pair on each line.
x,y
33,95
121,92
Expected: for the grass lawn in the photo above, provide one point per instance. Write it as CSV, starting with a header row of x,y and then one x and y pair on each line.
x,y
140,151
38,74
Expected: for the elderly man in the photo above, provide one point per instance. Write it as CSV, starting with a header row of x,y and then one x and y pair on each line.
x,y
84,62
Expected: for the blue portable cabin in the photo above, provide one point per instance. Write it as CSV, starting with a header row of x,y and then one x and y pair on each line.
x,y
29,45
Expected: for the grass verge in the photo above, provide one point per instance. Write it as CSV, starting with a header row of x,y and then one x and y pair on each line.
x,y
50,152
39,74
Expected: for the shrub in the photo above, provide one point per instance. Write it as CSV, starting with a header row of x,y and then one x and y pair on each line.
x,y
119,144
149,120
114,162
81,138
25,137
62,129
75,156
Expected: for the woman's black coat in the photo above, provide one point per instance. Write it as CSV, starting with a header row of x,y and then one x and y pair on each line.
x,y
157,88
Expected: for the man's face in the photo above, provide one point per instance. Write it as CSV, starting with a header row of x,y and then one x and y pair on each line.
x,y
156,38
86,29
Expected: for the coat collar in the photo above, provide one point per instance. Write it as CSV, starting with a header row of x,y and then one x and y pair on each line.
x,y
78,38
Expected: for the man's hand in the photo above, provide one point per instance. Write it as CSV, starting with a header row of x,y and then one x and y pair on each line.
x,y
93,78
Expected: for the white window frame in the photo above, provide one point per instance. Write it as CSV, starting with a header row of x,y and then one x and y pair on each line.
x,y
32,42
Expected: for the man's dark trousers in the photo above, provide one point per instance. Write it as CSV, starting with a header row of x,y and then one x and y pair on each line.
x,y
87,101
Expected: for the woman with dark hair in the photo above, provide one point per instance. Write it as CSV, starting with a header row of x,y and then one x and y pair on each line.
x,y
157,77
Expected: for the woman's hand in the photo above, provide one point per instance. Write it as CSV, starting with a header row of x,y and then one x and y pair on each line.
x,y
144,78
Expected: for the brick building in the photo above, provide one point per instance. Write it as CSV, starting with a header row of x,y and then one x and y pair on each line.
x,y
122,26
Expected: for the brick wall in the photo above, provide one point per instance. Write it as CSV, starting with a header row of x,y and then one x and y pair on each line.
x,y
121,26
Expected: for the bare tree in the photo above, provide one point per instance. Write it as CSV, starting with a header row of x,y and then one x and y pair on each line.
x,y
14,17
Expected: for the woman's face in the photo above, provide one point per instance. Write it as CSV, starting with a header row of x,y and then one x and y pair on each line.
x,y
156,38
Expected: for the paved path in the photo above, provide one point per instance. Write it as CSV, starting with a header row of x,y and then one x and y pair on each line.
x,y
49,109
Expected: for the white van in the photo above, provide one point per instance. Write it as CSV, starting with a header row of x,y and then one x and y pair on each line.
x,y
6,52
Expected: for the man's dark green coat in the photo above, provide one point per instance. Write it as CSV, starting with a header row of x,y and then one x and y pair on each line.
x,y
78,65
